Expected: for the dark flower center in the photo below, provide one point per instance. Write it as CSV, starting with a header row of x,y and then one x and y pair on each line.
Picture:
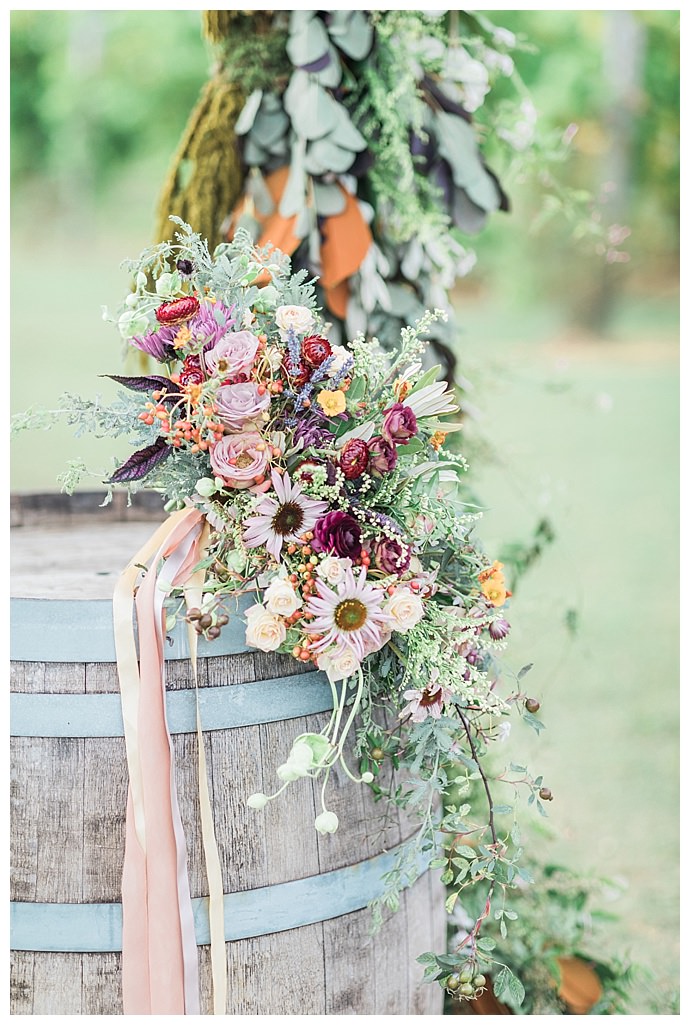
x,y
243,461
431,696
350,614
288,519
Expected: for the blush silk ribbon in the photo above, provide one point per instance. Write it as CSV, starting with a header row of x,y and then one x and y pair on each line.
x,y
159,954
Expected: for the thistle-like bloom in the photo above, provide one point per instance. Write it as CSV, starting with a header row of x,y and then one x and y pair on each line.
x,y
283,518
350,618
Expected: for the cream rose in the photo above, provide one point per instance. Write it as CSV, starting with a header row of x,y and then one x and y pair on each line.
x,y
405,609
339,357
338,667
264,630
332,569
299,318
280,597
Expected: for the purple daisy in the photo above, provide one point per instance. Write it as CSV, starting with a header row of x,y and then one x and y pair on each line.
x,y
350,618
283,518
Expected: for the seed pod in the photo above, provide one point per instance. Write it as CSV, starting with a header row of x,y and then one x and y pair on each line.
x,y
546,794
193,615
452,983
205,621
377,754
532,705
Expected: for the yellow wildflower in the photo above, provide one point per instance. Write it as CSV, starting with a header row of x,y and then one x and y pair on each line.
x,y
183,336
331,402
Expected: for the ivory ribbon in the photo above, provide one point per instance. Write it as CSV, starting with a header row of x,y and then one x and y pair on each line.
x,y
159,954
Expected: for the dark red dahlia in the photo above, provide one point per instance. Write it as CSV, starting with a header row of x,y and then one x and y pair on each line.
x,y
315,350
354,458
177,311
191,372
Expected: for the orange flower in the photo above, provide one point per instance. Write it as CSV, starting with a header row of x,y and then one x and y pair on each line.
x,y
495,568
437,439
493,584
401,389
494,589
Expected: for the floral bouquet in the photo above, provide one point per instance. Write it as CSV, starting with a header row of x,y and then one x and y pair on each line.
x,y
333,499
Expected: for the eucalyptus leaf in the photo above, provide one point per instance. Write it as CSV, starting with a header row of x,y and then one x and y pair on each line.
x,y
323,155
253,154
308,42
293,198
331,75
458,144
347,135
315,114
469,217
330,199
248,113
269,127
352,33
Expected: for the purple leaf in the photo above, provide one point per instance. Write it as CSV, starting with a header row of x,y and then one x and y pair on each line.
x,y
151,383
142,462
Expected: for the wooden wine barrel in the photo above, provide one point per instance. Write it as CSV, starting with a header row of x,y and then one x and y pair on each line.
x,y
297,923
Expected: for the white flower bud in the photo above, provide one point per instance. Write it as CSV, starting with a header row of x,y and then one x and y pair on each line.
x,y
258,801
326,822
367,777
206,487
168,284
141,280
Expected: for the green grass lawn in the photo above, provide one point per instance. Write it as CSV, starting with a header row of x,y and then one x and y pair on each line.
x,y
582,433
587,434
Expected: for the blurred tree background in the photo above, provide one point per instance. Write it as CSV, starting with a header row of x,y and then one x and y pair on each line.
x,y
569,337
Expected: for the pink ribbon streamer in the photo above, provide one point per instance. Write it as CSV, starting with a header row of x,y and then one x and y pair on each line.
x,y
159,954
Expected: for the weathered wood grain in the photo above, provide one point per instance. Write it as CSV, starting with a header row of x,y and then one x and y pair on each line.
x,y
68,798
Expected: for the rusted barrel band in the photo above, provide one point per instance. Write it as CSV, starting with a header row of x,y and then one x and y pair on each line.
x,y
97,928
221,708
74,630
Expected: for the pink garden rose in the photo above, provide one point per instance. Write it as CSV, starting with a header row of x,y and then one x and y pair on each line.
x,y
235,351
240,458
238,404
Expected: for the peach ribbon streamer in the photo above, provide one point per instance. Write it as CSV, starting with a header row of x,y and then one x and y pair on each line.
x,y
160,968
219,972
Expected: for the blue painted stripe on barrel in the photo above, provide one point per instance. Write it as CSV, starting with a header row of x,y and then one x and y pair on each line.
x,y
97,928
221,708
81,630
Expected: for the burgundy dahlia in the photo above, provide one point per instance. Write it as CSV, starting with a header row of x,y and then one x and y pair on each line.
x,y
392,556
338,533
399,424
177,311
315,350
354,458
382,456
191,372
